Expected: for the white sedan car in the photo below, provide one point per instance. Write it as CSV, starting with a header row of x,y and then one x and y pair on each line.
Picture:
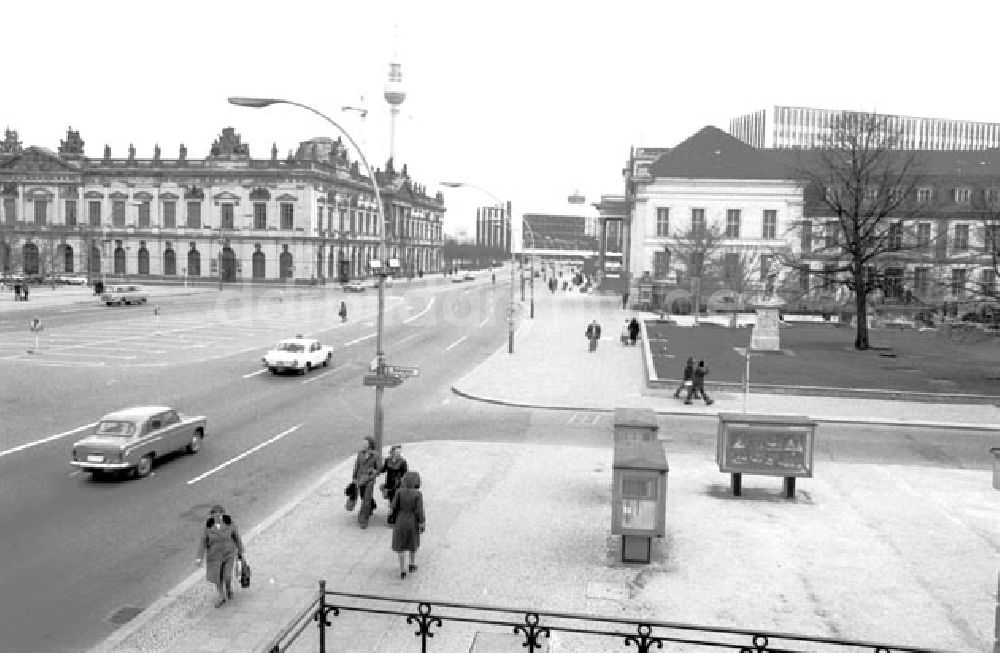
x,y
298,354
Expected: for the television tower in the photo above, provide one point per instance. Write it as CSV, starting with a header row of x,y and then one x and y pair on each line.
x,y
394,95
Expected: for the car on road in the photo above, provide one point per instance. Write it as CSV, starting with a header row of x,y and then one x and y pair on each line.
x,y
71,279
119,294
353,286
298,354
468,276
457,278
133,438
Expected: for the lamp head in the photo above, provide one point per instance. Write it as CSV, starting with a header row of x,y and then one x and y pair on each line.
x,y
254,102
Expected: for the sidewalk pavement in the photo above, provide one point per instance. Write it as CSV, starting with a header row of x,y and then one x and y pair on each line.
x,y
62,295
899,554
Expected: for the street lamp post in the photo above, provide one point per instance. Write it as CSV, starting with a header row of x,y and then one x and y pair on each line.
x,y
513,264
258,103
531,232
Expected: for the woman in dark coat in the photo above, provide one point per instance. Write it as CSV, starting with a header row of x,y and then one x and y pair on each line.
x,y
408,520
222,542
367,467
394,468
633,330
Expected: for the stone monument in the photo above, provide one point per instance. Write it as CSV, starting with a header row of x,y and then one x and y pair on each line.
x,y
765,335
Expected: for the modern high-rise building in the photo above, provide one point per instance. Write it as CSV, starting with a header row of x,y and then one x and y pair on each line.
x,y
784,127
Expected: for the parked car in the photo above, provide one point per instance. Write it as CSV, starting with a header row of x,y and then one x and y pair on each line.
x,y
72,279
353,286
457,278
468,276
124,294
297,354
133,438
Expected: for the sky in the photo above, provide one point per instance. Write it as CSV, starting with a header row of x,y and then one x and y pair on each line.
x,y
529,101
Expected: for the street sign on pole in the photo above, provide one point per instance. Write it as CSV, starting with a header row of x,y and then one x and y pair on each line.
x,y
404,372
36,327
382,380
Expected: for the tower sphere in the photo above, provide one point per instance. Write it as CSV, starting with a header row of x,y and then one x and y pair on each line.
x,y
394,93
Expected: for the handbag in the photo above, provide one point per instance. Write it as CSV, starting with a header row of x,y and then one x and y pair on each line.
x,y
245,572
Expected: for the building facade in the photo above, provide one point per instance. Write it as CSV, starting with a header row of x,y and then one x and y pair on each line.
x,y
227,216
765,210
804,127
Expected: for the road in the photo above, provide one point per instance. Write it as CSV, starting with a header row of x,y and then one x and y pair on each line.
x,y
76,553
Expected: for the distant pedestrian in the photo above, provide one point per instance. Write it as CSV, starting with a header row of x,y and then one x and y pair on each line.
x,y
17,292
394,469
24,293
633,330
593,334
219,547
625,300
366,469
688,380
343,311
698,386
407,517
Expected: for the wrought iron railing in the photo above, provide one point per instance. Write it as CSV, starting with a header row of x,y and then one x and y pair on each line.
x,y
429,621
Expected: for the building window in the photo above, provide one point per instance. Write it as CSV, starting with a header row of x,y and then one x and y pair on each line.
x,y
662,221
71,213
894,194
732,223
144,215
94,213
804,278
924,195
770,224
286,215
259,215
961,239
765,265
806,236
989,278
871,193
921,280
923,234
958,277
895,237
118,213
832,235
731,268
227,216
992,196
170,215
40,209
962,195
9,210
992,239
697,221
319,219
169,261
661,264
193,218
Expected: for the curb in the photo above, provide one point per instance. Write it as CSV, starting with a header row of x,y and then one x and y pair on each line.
x,y
875,421
153,611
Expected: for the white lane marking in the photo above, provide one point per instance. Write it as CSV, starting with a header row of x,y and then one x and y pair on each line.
x,y
320,376
244,454
483,323
361,339
399,342
456,343
28,445
247,376
421,313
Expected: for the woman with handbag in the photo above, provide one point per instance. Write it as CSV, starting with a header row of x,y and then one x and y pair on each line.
x,y
394,468
219,546
367,467
407,519
688,378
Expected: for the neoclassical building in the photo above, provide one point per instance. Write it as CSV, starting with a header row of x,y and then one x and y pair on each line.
x,y
227,216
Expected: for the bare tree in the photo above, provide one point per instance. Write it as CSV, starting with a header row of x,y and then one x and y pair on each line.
x,y
984,289
697,248
868,189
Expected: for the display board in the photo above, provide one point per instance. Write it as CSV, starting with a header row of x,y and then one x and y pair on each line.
x,y
772,449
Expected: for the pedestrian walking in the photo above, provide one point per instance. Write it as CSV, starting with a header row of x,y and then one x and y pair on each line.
x,y
625,300
343,311
219,547
698,386
24,293
633,330
593,334
366,470
688,379
394,469
407,517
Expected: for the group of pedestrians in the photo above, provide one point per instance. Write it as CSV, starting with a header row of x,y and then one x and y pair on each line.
x,y
694,383
401,489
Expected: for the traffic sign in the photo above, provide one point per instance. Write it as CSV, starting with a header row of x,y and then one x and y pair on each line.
x,y
36,325
383,380
404,372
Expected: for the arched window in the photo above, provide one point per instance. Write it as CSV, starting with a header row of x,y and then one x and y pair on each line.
x,y
95,260
169,262
194,263
319,263
143,257
67,259
228,261
258,264
286,265
119,260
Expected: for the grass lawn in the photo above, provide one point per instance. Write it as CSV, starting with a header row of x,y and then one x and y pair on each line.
x,y
824,355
